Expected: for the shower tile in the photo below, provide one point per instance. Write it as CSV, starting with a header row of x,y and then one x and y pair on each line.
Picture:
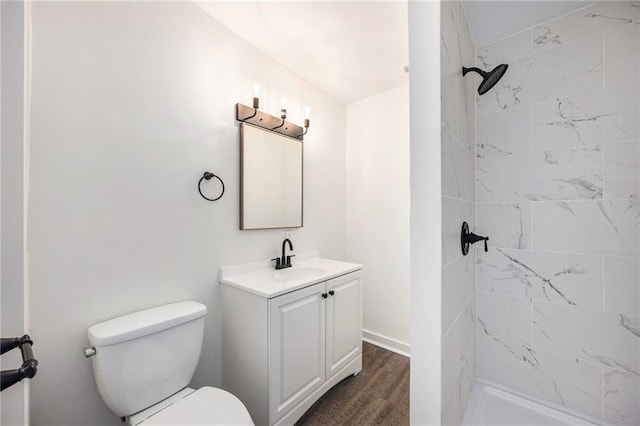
x,y
504,133
553,277
576,66
467,104
508,225
567,381
468,322
621,165
458,345
455,168
451,353
586,118
449,98
466,114
565,175
622,55
454,212
548,175
453,406
501,178
621,396
611,339
504,51
507,318
452,411
622,285
458,285
471,182
607,227
583,23
450,45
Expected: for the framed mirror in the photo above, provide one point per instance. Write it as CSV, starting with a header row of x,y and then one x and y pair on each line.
x,y
270,179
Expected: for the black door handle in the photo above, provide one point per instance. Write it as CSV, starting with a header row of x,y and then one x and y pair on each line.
x,y
29,366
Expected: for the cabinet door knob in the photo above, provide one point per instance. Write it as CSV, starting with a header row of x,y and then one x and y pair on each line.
x,y
332,292
324,295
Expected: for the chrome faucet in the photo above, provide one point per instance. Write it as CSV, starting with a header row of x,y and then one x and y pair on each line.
x,y
285,261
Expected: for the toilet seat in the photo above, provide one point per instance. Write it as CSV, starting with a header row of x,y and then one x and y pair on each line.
x,y
205,406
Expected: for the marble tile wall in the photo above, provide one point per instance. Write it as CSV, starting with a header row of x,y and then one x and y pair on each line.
x,y
557,186
458,205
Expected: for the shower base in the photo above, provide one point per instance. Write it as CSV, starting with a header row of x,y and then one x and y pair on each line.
x,y
494,405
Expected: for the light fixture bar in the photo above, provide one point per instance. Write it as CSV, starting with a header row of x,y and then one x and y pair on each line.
x,y
269,122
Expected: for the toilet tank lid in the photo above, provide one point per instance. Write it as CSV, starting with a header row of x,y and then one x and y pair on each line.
x,y
145,322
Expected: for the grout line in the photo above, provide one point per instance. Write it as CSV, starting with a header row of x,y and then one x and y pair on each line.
x,y
590,200
603,170
531,307
604,67
602,390
603,283
567,357
567,253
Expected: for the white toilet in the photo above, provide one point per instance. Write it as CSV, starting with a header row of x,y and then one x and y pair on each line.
x,y
144,361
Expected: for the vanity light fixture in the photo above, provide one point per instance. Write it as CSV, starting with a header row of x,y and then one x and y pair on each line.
x,y
256,103
307,114
306,127
283,116
253,115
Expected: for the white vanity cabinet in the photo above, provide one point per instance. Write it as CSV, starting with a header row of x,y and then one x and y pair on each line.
x,y
281,353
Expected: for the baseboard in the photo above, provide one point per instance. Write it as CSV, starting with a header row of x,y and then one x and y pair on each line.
x,y
388,343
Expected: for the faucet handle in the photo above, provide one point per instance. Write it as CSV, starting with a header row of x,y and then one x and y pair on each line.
x,y
289,258
277,259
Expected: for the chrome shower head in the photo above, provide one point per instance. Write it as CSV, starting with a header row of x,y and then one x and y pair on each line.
x,y
489,79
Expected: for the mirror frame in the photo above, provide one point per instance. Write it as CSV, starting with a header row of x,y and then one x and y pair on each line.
x,y
242,179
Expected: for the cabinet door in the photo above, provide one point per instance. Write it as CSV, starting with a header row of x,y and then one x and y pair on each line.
x,y
296,347
344,321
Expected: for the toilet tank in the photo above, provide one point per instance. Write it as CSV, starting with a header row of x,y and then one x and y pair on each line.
x,y
147,356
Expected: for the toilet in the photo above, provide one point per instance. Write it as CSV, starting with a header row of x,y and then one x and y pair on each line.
x,y
144,361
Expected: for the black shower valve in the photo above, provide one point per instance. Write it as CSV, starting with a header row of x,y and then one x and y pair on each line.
x,y
467,238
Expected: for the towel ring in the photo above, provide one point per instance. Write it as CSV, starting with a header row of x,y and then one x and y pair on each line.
x,y
208,176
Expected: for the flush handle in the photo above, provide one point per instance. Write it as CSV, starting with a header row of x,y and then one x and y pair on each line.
x,y
89,352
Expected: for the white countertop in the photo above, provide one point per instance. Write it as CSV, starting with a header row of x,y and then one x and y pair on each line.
x,y
263,279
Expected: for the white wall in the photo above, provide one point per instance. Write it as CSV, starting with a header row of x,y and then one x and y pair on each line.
x,y
426,224
557,169
12,86
458,205
131,103
378,203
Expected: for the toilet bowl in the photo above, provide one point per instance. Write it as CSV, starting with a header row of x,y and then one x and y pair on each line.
x,y
143,362
205,406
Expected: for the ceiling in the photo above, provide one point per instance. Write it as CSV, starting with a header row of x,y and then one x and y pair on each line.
x,y
355,49
351,49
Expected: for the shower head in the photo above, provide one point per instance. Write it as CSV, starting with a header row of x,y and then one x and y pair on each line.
x,y
489,79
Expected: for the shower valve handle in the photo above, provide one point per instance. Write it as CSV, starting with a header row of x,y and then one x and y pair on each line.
x,y
467,238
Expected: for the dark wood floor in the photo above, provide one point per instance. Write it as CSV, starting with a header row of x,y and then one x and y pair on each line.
x,y
378,395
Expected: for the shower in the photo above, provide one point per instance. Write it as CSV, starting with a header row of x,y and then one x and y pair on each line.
x,y
489,79
547,159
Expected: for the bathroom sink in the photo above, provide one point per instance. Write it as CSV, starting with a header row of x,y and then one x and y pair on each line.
x,y
262,279
297,273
